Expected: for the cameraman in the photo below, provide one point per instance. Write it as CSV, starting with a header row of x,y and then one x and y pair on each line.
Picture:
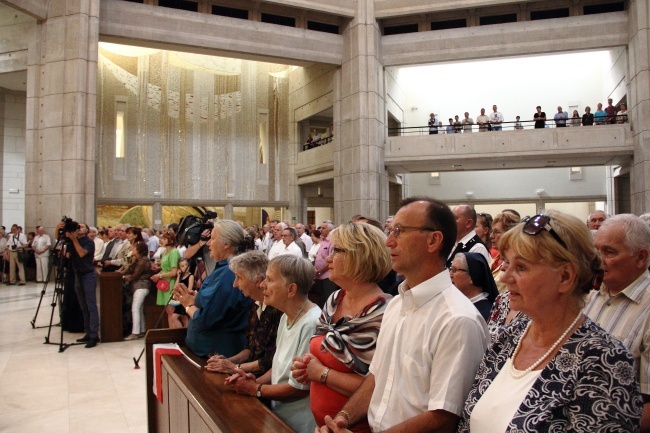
x,y
202,246
81,255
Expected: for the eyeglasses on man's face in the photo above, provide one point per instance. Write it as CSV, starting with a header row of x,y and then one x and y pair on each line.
x,y
397,229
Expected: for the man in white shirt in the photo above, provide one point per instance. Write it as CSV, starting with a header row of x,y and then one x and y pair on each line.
x,y
467,240
482,121
289,242
304,237
278,246
496,119
16,241
431,341
41,246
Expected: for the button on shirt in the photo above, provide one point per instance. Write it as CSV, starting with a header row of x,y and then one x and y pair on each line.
x,y
627,317
431,342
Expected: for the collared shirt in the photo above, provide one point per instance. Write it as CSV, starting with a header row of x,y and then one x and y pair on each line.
x,y
16,240
153,243
40,242
431,342
321,256
627,317
306,239
276,249
560,118
477,248
599,116
292,248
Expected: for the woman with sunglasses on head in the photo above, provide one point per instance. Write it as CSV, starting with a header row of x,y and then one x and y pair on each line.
x,y
344,344
557,371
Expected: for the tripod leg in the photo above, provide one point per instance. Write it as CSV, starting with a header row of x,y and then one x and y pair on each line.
x,y
49,273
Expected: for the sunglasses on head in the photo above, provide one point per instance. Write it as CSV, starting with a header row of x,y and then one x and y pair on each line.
x,y
536,224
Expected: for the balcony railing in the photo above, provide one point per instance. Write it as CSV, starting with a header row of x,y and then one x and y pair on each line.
x,y
511,125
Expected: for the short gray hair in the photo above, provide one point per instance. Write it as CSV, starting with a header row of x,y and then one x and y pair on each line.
x,y
252,264
637,232
294,269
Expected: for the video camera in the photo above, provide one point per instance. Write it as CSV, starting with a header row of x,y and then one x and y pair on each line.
x,y
69,226
191,227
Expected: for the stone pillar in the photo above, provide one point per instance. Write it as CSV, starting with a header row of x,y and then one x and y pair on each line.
x,y
360,179
228,211
638,91
61,112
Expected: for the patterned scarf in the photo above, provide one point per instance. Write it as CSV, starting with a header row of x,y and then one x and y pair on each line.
x,y
352,340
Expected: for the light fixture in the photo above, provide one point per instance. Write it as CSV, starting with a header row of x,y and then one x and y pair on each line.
x,y
539,191
157,194
14,190
469,194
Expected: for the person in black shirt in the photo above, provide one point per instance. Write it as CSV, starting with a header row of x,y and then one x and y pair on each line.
x,y
81,255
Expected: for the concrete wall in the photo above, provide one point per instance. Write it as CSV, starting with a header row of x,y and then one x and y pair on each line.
x,y
615,75
15,30
505,186
396,96
12,158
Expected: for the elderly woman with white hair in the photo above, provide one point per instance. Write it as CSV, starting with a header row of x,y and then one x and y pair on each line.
x,y
218,312
288,279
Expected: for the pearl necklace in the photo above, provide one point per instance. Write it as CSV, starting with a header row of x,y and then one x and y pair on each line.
x,y
519,374
297,315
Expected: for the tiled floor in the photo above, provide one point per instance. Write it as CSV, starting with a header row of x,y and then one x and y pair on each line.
x,y
80,390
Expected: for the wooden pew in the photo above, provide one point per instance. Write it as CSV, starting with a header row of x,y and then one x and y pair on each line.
x,y
197,401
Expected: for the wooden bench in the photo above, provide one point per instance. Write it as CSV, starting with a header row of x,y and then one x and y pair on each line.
x,y
197,401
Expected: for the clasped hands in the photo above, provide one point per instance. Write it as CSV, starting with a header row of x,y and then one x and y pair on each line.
x,y
184,295
220,364
242,383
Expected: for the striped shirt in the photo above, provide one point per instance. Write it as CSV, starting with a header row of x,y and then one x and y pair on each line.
x,y
627,317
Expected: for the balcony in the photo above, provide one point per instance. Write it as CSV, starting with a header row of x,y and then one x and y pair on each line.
x,y
536,148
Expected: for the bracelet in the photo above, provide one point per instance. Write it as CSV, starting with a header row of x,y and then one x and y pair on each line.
x,y
323,375
187,309
346,415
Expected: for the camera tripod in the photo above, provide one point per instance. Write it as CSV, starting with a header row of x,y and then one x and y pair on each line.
x,y
58,261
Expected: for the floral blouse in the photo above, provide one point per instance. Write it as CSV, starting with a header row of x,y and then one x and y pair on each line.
x,y
261,334
588,386
497,318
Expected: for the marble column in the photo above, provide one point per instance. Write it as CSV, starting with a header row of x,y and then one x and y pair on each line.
x,y
360,179
638,91
61,114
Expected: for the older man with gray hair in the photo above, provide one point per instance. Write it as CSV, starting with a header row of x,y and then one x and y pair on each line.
x,y
622,305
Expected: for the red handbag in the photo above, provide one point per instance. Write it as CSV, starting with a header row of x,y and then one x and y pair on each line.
x,y
162,285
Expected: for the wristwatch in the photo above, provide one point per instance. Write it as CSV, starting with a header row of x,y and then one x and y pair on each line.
x,y
323,375
259,391
187,309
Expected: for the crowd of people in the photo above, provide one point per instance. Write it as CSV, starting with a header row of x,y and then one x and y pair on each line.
x,y
438,319
24,258
495,121
487,324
